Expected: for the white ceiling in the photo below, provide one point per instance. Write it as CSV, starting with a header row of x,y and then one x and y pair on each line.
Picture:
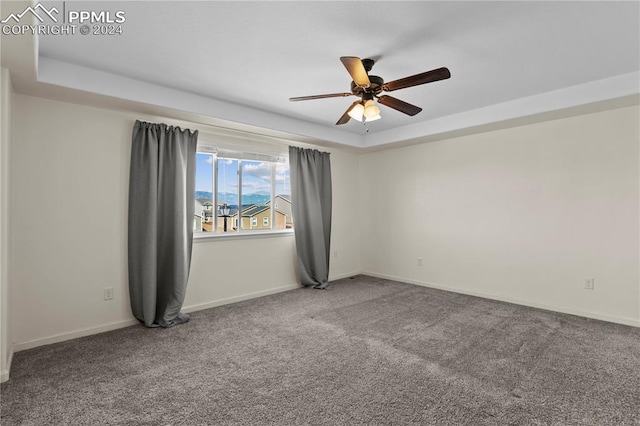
x,y
240,61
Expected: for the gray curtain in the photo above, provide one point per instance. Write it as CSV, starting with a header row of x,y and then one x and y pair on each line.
x,y
161,209
311,196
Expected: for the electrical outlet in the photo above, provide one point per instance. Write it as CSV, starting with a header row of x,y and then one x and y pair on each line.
x,y
589,283
107,292
419,261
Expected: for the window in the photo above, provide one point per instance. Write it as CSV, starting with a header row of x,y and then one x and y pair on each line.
x,y
235,191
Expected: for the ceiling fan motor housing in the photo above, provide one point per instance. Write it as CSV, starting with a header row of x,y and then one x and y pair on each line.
x,y
375,87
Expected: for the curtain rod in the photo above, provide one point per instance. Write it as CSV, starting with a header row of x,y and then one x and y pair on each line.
x,y
243,154
272,140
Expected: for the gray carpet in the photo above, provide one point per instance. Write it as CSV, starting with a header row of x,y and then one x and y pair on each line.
x,y
365,351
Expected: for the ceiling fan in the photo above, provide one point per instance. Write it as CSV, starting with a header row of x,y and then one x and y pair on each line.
x,y
368,87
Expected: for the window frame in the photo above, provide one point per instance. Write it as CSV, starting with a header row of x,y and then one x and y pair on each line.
x,y
240,232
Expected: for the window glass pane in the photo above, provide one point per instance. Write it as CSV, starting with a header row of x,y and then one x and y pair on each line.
x,y
228,194
283,218
256,194
252,194
203,213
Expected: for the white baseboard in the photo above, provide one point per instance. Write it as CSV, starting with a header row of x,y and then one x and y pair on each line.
x,y
4,374
234,299
21,346
341,276
502,298
254,295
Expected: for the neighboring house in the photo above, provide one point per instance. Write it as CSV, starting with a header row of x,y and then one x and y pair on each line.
x,y
198,216
208,216
207,208
254,216
208,211
258,217
282,204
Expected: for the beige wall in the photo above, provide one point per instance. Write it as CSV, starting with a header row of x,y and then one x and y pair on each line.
x,y
523,214
73,161
6,346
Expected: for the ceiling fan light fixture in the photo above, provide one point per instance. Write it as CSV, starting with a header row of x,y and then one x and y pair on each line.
x,y
356,112
368,87
371,111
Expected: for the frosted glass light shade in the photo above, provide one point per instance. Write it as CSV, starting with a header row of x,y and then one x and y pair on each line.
x,y
371,111
356,112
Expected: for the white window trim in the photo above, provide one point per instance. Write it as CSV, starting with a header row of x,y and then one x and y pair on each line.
x,y
204,236
239,154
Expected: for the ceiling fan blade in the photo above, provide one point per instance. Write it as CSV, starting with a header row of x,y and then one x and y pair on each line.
x,y
356,70
328,95
399,105
415,80
345,117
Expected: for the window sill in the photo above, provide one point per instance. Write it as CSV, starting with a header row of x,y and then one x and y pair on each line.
x,y
211,236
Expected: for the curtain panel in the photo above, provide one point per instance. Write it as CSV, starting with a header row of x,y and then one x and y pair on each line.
x,y
311,196
161,214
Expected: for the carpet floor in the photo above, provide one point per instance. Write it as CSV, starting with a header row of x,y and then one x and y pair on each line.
x,y
365,351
